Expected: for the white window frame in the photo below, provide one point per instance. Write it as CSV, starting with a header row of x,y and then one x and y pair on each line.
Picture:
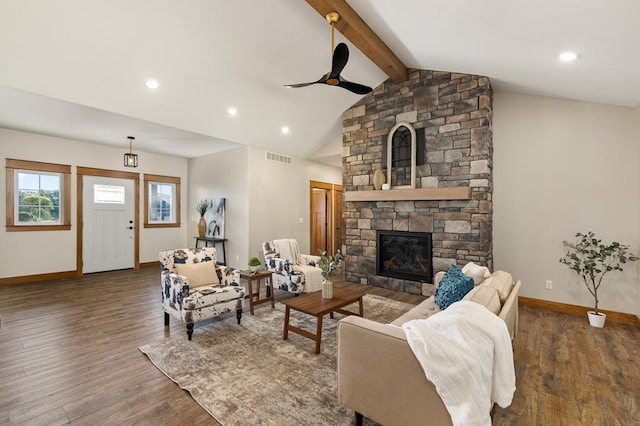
x,y
16,198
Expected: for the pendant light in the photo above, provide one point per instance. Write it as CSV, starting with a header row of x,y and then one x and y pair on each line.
x,y
130,159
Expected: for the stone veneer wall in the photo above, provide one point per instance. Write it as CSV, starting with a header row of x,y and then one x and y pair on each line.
x,y
455,111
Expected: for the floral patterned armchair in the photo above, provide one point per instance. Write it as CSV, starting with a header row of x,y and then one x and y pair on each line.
x,y
292,271
195,288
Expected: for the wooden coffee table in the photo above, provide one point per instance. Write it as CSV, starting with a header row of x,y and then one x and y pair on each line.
x,y
314,304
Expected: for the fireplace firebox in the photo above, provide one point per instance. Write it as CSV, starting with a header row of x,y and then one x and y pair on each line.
x,y
404,255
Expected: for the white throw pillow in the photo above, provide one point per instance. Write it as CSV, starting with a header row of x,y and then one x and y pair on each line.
x,y
199,274
477,272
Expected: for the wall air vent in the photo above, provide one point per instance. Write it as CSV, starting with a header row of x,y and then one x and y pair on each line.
x,y
280,158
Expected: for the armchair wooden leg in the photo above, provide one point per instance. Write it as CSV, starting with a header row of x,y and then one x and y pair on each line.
x,y
239,315
166,319
189,329
359,419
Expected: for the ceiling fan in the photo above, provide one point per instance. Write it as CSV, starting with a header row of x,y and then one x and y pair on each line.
x,y
339,61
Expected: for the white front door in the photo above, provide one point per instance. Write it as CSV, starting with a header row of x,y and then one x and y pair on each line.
x,y
108,224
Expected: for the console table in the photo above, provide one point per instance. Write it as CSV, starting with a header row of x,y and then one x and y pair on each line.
x,y
214,241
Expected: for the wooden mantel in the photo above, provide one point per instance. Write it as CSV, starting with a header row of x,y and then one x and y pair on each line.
x,y
450,193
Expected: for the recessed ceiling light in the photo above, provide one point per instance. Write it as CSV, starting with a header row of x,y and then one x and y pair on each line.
x,y
284,130
568,56
152,84
232,111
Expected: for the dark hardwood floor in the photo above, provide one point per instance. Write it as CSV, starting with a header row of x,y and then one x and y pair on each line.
x,y
569,373
69,355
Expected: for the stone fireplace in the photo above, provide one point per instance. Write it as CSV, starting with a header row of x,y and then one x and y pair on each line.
x,y
452,195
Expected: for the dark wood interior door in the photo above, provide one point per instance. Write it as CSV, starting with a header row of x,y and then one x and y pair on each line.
x,y
319,220
326,217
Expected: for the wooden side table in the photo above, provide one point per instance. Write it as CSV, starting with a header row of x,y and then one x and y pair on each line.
x,y
254,296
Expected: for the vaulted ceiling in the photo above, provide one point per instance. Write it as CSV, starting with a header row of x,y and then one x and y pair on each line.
x,y
77,68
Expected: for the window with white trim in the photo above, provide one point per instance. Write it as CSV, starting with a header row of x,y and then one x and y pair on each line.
x,y
37,199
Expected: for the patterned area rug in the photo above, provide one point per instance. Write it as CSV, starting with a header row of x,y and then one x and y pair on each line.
x,y
247,375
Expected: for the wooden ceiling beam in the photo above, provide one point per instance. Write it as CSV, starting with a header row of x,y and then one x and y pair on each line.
x,y
362,36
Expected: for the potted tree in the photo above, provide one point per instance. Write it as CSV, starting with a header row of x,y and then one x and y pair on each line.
x,y
592,260
253,263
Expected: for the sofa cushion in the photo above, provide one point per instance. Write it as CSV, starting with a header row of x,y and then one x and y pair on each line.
x,y
486,296
453,287
501,281
424,310
199,274
477,272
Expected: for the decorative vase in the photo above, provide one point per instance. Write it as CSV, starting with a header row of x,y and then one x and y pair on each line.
x,y
596,319
327,289
378,178
253,269
202,227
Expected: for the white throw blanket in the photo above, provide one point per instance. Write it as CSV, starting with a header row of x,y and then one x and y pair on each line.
x,y
288,249
466,353
312,277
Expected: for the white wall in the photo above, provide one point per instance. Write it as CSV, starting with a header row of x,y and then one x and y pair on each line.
x,y
265,199
561,167
222,175
56,250
279,198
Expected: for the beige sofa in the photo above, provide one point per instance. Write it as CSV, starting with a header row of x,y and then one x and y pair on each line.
x,y
380,378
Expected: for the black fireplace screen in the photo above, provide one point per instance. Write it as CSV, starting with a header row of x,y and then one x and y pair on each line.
x,y
405,255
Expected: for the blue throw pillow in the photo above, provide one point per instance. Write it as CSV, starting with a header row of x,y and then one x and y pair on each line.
x,y
453,286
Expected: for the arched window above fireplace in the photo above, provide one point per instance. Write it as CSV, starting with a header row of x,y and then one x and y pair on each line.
x,y
401,156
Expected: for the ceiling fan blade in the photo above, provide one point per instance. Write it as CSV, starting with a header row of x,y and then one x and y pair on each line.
x,y
339,61
322,79
294,86
360,89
